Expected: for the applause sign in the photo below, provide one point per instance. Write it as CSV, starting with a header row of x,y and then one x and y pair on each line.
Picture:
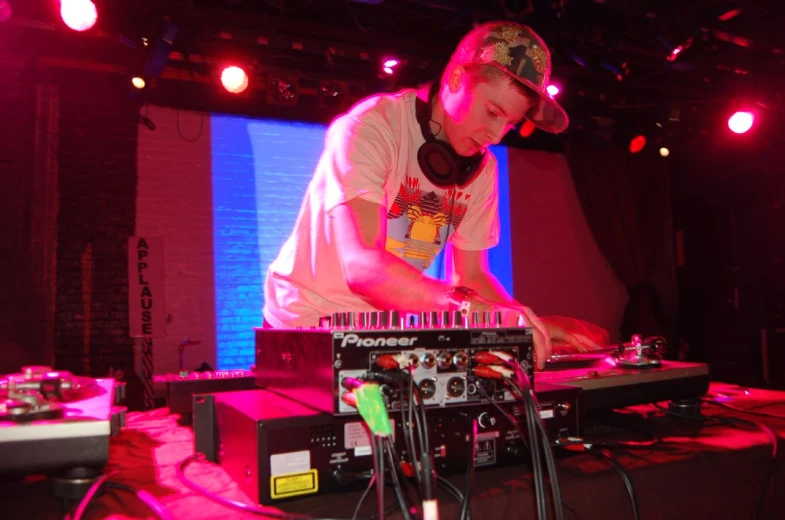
x,y
146,309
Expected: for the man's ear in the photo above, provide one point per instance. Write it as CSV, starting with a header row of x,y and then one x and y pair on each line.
x,y
456,78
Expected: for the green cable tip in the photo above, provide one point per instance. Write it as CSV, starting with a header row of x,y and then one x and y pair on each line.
x,y
372,408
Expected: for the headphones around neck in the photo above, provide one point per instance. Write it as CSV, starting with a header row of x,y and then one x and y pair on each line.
x,y
438,160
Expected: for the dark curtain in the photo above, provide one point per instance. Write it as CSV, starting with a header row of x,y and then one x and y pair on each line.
x,y
625,198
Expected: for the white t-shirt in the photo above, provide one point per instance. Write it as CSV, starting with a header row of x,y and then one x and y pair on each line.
x,y
371,152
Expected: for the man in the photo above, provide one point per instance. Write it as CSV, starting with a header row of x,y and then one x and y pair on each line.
x,y
403,174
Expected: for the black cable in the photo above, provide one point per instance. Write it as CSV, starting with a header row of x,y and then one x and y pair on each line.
x,y
533,411
378,469
742,410
420,405
364,496
425,457
539,479
452,490
408,428
394,453
385,445
533,448
472,457
607,455
628,444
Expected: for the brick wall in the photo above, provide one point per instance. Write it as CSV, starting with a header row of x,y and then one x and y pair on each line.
x,y
97,189
19,340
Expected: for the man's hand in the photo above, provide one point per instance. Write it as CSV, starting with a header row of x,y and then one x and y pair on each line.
x,y
517,316
543,332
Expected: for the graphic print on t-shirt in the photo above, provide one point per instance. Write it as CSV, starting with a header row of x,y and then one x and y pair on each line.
x,y
418,222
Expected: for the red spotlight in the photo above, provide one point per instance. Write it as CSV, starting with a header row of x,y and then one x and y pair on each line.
x,y
637,143
234,79
527,128
740,122
79,15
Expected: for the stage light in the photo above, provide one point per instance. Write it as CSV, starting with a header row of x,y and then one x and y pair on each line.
x,y
389,65
234,79
284,90
153,55
526,129
637,143
79,15
553,90
729,15
679,50
741,122
5,11
664,152
619,71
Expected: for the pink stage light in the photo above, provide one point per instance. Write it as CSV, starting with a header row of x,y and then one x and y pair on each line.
x,y
234,79
741,122
5,11
553,90
389,64
79,15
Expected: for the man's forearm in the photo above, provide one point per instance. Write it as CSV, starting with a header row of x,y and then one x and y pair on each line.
x,y
385,281
489,287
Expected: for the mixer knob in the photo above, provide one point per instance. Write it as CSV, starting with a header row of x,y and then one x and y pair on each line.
x,y
445,319
411,320
486,420
498,318
395,320
457,319
382,319
486,318
337,321
350,320
434,320
423,319
475,319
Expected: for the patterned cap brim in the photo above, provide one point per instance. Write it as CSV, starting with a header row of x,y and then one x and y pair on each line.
x,y
547,115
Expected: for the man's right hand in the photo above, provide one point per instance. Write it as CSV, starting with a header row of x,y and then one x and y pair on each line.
x,y
516,316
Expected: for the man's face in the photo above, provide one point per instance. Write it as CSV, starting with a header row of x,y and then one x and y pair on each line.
x,y
479,112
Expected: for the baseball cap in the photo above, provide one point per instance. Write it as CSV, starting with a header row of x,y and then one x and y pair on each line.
x,y
520,52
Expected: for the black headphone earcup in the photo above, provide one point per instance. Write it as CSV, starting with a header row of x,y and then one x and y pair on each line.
x,y
438,163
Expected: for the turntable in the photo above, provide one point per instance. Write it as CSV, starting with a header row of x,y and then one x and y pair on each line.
x,y
627,374
58,424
